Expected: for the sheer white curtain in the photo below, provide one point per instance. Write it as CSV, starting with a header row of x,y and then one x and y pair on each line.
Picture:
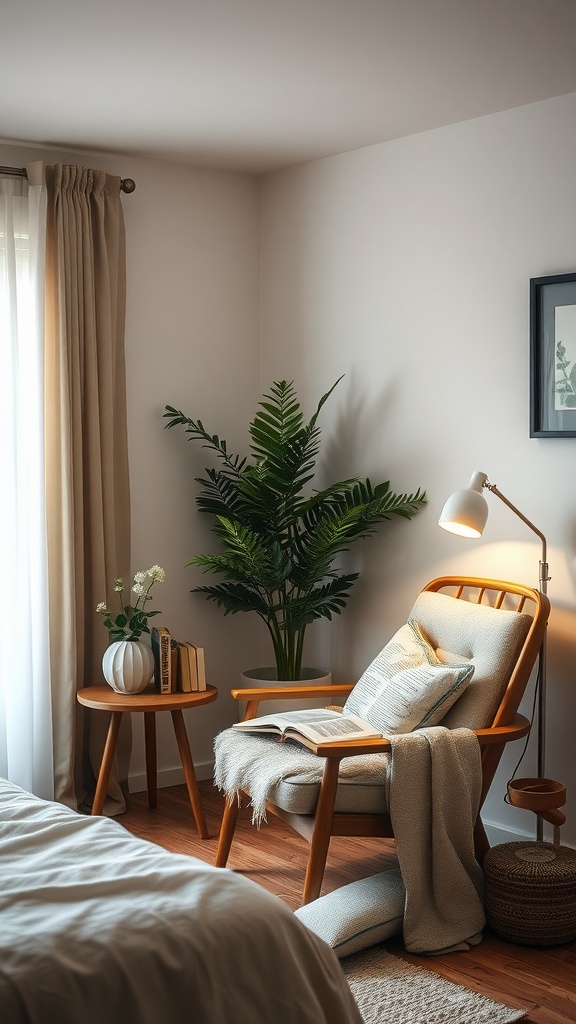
x,y
26,750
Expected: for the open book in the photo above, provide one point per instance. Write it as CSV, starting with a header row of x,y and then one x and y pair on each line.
x,y
319,725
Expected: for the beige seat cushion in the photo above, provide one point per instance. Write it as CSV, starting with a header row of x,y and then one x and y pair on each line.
x,y
361,793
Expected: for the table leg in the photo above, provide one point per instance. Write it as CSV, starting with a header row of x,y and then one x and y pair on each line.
x,y
189,773
107,759
150,741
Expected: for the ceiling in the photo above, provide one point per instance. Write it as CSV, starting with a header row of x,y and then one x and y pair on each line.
x,y
257,85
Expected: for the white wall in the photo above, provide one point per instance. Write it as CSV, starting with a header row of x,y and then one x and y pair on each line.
x,y
406,266
192,341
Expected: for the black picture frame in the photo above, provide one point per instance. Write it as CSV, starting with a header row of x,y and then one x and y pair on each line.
x,y
553,356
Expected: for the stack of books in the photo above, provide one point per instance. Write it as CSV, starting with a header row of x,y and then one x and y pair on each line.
x,y
179,666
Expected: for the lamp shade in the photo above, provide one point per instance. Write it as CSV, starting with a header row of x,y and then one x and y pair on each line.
x,y
466,511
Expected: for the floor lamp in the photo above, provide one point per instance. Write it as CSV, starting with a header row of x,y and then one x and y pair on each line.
x,y
465,513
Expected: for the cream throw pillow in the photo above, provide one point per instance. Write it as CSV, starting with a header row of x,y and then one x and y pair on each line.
x,y
359,914
407,687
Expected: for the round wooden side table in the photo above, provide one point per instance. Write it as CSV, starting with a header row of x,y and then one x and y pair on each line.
x,y
104,698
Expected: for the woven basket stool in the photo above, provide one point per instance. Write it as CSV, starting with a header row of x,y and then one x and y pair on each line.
x,y
530,893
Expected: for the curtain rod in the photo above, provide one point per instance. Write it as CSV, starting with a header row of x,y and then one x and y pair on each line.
x,y
126,184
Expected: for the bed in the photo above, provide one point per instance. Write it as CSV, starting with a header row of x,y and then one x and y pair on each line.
x,y
99,926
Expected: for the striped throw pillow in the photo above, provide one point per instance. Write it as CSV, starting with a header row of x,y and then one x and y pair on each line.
x,y
407,687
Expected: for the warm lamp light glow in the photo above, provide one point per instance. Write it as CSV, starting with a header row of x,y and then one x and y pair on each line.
x,y
460,529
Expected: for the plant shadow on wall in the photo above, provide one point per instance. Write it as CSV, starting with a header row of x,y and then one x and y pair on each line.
x,y
280,538
357,427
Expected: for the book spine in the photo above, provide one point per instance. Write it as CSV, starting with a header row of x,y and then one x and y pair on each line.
x,y
165,663
192,666
183,670
155,645
201,666
174,673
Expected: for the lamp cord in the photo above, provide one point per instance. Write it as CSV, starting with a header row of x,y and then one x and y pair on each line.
x,y
521,758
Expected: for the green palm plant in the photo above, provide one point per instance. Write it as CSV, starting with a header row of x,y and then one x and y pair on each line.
x,y
280,540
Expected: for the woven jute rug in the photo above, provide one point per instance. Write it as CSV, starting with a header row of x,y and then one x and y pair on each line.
x,y
390,991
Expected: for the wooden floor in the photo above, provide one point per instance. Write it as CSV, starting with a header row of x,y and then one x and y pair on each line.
x,y
275,858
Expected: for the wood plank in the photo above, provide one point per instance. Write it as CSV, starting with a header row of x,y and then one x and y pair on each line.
x,y
275,857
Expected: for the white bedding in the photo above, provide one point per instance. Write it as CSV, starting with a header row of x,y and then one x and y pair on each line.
x,y
98,927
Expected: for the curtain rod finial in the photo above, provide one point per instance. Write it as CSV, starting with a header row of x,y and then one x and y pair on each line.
x,y
127,185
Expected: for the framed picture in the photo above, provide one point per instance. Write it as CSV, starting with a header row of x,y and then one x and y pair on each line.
x,y
553,356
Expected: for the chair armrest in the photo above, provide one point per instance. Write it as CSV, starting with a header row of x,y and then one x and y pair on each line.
x,y
380,745
254,696
293,692
348,748
519,727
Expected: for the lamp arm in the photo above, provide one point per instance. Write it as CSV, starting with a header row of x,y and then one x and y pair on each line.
x,y
544,577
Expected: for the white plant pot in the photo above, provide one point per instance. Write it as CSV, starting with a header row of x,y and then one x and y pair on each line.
x,y
128,666
257,677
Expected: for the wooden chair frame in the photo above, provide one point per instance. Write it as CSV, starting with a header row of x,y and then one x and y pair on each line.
x,y
507,725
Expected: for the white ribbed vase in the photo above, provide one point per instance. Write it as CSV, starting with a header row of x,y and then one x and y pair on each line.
x,y
128,666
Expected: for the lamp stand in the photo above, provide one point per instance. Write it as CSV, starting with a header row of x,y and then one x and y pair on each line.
x,y
543,582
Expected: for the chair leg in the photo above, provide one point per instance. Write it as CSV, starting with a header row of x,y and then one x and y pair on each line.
x,y
229,819
322,831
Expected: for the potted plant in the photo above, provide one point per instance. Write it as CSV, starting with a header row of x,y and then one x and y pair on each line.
x,y
279,537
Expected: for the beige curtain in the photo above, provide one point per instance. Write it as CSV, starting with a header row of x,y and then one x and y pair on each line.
x,y
88,499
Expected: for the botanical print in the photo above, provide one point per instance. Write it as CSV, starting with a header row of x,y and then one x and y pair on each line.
x,y
565,342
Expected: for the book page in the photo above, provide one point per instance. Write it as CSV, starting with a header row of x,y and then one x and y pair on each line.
x,y
310,716
283,719
318,724
342,725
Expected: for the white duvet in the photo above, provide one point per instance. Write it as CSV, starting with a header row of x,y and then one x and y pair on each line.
x,y
98,927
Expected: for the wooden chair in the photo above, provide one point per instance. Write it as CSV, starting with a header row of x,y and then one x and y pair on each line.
x,y
504,650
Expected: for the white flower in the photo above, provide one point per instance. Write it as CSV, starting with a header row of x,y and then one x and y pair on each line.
x,y
131,620
157,573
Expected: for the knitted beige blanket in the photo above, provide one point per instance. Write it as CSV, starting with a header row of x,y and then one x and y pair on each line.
x,y
433,782
434,787
256,764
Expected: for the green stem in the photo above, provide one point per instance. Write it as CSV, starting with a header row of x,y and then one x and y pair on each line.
x,y
276,634
299,652
289,651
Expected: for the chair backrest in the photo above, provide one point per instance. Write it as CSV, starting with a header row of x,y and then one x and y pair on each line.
x,y
497,626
